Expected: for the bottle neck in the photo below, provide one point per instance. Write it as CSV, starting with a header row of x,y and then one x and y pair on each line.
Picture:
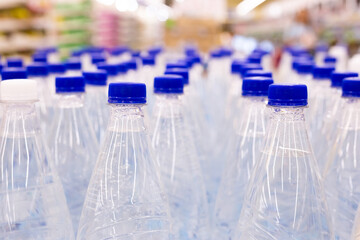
x,y
168,105
126,118
287,133
19,119
287,114
70,100
351,114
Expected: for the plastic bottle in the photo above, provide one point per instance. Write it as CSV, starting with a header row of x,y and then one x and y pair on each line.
x,y
342,173
244,150
95,101
340,52
320,53
327,134
176,157
122,72
132,73
73,67
304,73
124,199
72,142
32,198
55,70
285,197
320,99
40,73
329,60
111,69
147,74
96,59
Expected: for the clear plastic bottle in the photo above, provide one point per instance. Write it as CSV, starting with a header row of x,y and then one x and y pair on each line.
x,y
55,70
132,73
95,101
327,134
176,157
320,100
40,73
32,198
342,173
147,74
245,150
122,72
124,199
304,73
72,142
320,53
285,197
111,69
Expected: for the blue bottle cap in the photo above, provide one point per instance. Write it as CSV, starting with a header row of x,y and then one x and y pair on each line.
x,y
56,68
98,78
132,93
73,64
77,53
14,62
38,70
236,66
330,59
148,60
111,69
288,95
70,84
176,65
154,51
135,53
190,51
93,49
39,57
215,54
132,64
189,64
323,72
248,67
254,58
256,86
169,84
97,58
258,73
122,68
194,59
13,73
184,73
226,52
117,51
305,68
338,77
351,87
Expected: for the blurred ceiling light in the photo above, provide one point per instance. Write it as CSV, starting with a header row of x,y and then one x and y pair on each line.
x,y
126,5
247,6
106,2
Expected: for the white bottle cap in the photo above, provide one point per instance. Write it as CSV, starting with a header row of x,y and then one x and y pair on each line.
x,y
18,90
